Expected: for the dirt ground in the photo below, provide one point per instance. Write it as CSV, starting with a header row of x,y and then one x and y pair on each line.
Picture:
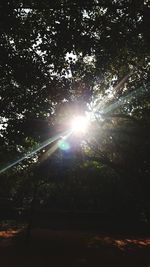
x,y
51,248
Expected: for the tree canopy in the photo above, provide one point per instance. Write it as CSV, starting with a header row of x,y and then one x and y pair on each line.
x,y
69,57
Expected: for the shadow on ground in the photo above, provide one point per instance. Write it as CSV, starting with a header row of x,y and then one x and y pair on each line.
x,y
72,249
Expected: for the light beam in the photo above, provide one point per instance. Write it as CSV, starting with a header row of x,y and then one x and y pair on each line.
x,y
31,153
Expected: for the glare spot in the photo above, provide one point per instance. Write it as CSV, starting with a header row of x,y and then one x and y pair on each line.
x,y
63,144
79,124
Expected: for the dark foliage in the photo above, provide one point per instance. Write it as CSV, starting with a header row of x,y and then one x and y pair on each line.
x,y
61,58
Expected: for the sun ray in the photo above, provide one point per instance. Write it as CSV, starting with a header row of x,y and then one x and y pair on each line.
x,y
34,151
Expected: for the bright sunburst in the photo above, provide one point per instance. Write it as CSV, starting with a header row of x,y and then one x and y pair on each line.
x,y
79,124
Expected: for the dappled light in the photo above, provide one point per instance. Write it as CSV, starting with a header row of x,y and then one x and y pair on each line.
x,y
10,233
120,243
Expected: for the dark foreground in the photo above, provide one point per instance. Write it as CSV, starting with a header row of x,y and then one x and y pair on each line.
x,y
72,248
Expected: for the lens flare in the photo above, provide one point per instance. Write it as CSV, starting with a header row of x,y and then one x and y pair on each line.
x,y
63,144
44,144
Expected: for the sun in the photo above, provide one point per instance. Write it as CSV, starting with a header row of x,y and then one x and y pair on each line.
x,y
79,124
